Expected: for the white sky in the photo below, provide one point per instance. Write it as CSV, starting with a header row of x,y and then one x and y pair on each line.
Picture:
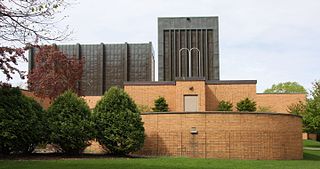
x,y
270,41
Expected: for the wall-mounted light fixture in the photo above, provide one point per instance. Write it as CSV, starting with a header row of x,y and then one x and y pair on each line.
x,y
191,88
194,130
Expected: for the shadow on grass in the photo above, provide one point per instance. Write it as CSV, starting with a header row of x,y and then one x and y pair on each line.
x,y
57,156
311,155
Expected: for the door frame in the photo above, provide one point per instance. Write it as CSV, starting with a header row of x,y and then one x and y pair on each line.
x,y
185,103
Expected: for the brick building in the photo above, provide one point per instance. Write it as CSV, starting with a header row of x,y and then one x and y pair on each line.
x,y
190,82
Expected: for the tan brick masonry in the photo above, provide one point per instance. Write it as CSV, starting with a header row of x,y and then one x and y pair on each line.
x,y
230,135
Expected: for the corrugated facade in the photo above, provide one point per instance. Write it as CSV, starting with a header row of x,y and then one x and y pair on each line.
x,y
109,65
178,36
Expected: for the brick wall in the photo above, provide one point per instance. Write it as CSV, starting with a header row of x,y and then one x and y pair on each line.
x,y
190,88
228,92
278,102
209,95
92,100
44,102
224,135
146,94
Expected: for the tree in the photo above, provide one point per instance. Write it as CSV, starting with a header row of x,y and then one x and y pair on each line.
x,y
311,118
70,124
54,73
225,106
118,123
25,23
22,121
160,105
287,87
297,108
246,105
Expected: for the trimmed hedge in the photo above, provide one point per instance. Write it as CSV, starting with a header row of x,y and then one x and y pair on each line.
x,y
225,106
22,122
247,105
70,123
118,123
160,105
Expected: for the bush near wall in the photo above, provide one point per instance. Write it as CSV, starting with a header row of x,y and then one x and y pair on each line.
x,y
246,105
160,105
70,123
118,123
22,121
225,106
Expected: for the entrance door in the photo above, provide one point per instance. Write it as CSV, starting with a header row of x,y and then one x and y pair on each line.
x,y
190,103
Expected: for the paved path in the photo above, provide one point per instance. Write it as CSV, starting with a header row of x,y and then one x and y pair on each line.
x,y
311,148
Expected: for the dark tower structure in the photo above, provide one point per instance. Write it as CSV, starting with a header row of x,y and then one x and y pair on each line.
x,y
188,47
109,65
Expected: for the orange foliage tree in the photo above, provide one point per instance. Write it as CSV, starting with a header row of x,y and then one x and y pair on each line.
x,y
54,73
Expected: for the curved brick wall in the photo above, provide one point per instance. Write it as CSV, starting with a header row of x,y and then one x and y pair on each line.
x,y
226,135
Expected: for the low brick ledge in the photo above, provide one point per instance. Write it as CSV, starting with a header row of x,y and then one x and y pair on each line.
x,y
217,82
222,112
151,83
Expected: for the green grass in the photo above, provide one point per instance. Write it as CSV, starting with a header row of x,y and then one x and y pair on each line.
x,y
311,160
311,143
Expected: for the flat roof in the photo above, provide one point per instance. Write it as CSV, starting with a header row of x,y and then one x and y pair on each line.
x,y
214,82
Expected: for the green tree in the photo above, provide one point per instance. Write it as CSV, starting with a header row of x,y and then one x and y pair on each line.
x,y
311,119
160,105
118,124
297,108
225,106
286,87
246,105
22,121
70,123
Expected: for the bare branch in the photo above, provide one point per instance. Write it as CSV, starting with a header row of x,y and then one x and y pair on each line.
x,y
25,22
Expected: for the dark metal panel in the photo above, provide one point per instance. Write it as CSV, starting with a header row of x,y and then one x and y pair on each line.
x,y
169,58
109,65
138,59
216,63
92,83
115,65
206,54
210,54
194,32
174,64
125,62
31,59
166,54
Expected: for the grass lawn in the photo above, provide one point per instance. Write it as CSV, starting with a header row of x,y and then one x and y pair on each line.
x,y
311,143
311,160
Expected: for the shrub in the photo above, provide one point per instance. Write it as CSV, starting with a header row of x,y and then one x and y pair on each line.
x,y
70,123
118,123
160,105
311,117
246,105
21,121
297,108
144,108
225,106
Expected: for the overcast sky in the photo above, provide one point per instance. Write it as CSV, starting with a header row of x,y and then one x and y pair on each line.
x,y
270,41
